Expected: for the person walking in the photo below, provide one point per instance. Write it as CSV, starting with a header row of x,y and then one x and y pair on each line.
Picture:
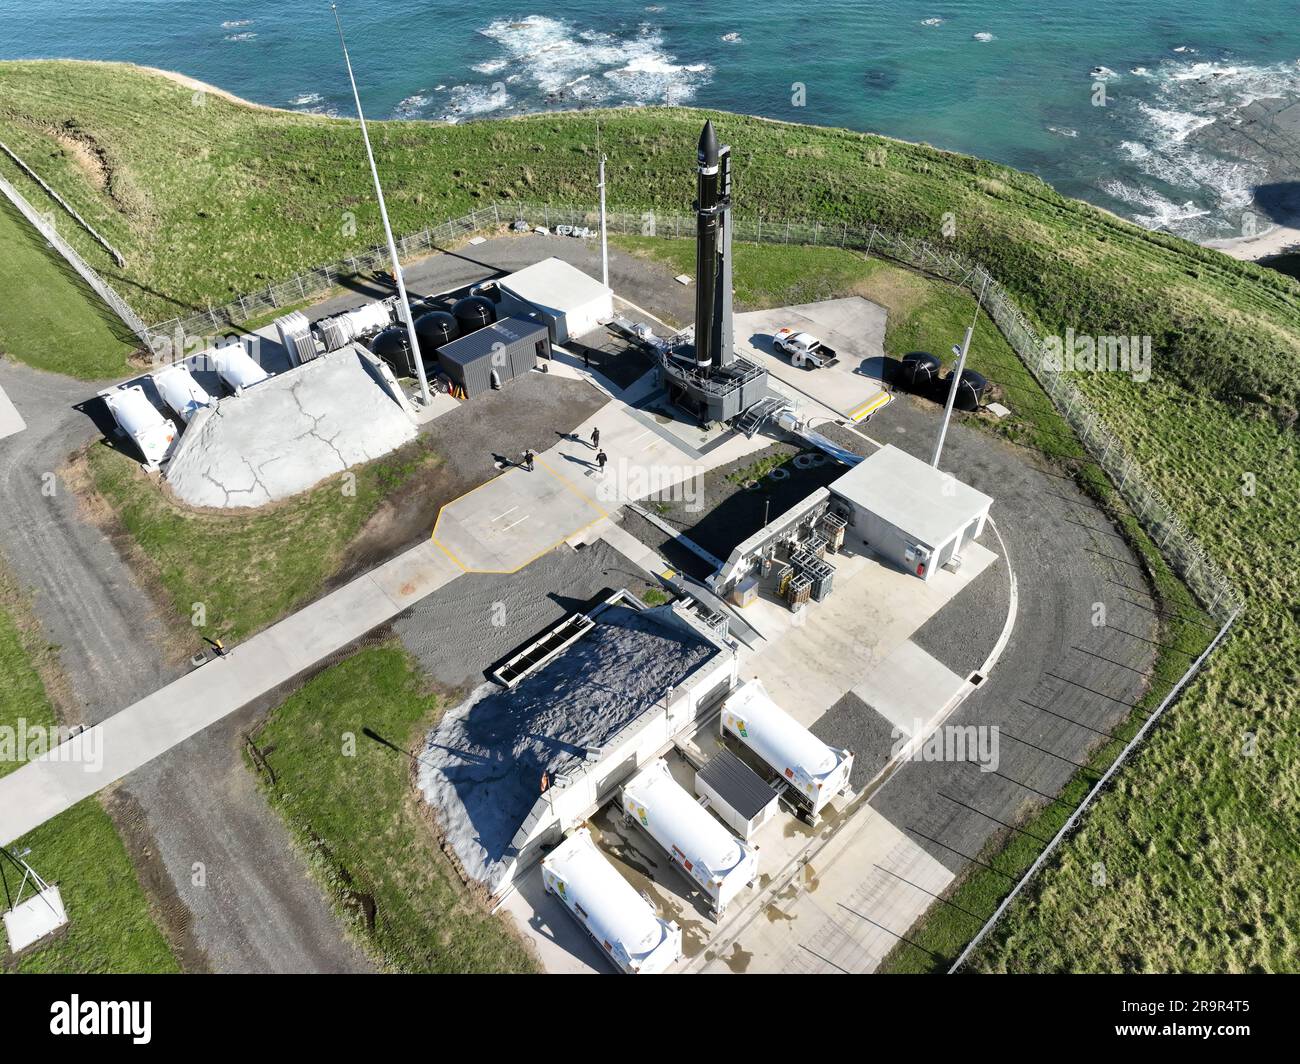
x,y
601,459
528,459
586,358
595,439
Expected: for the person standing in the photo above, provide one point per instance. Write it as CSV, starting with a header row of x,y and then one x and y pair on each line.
x,y
601,459
595,439
528,459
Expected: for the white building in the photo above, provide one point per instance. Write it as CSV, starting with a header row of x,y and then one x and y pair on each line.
x,y
908,512
571,303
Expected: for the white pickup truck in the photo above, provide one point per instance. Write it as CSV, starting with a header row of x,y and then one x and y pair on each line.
x,y
804,349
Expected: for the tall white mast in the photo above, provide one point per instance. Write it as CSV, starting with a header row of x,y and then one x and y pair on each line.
x,y
955,377
403,307
604,231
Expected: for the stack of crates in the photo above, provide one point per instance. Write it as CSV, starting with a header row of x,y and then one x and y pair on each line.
x,y
832,527
783,577
820,573
798,590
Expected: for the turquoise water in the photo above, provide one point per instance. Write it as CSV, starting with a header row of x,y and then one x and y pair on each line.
x,y
1023,92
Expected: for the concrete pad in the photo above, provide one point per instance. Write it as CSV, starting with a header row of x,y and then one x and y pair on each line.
x,y
909,688
286,434
841,910
559,943
11,422
854,327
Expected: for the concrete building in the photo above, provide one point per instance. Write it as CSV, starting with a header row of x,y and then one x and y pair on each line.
x,y
908,512
493,356
571,303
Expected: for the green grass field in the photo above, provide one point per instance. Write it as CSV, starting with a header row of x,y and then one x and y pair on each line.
x,y
48,317
349,802
247,568
110,927
210,199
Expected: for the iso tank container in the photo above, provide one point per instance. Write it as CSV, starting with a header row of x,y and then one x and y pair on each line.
x,y
152,433
236,368
815,771
621,921
697,842
181,391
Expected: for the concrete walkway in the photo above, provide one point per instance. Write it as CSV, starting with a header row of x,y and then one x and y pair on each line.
x,y
40,790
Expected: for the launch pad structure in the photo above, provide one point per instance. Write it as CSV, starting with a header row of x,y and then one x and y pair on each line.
x,y
704,376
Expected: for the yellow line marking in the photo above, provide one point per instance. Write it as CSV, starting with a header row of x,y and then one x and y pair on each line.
x,y
575,491
869,407
449,554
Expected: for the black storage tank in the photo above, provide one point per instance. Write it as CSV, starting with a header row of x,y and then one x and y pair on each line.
x,y
473,312
394,347
435,328
969,390
919,370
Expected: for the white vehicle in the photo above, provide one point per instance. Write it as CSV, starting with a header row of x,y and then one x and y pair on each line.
x,y
815,772
804,349
622,922
695,840
180,391
153,434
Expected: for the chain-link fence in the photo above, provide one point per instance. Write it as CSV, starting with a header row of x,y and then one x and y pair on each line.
x,y
102,288
1184,554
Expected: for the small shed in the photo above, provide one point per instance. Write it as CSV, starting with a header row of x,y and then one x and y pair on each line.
x,y
918,517
570,302
493,356
736,793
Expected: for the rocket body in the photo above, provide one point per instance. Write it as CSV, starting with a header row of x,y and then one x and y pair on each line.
x,y
712,252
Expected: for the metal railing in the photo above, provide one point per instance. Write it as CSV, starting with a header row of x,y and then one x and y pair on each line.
x,y
102,288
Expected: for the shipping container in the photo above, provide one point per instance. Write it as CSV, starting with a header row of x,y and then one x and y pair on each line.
x,y
694,840
622,922
181,392
815,772
736,793
153,434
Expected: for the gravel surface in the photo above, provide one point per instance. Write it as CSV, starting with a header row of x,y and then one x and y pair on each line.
x,y
851,724
962,634
461,630
482,766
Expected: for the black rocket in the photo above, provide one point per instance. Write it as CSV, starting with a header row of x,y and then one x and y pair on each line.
x,y
713,337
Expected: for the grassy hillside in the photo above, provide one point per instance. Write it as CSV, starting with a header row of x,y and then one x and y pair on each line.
x,y
348,801
207,199
110,926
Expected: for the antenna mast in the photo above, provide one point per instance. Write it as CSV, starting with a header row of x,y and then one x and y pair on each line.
x,y
404,308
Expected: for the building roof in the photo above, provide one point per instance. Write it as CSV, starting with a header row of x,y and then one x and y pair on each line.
x,y
923,502
481,343
736,784
555,285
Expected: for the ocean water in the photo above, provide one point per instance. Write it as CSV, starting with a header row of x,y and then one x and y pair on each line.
x,y
1147,110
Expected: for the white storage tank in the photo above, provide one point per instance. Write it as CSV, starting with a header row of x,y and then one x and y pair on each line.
x,y
622,922
697,842
236,368
816,772
180,391
152,433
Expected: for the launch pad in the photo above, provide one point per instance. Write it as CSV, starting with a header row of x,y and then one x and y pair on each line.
x,y
705,377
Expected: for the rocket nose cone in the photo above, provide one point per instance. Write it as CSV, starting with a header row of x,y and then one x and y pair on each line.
x,y
708,149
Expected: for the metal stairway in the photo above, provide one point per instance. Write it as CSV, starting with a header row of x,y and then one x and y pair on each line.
x,y
766,409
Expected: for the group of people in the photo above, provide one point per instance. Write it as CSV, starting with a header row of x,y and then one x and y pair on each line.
x,y
530,458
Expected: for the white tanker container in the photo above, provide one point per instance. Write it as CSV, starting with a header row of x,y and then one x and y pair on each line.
x,y
181,391
236,368
341,329
697,842
614,914
816,772
152,433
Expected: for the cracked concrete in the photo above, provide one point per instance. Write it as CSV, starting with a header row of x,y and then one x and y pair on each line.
x,y
286,434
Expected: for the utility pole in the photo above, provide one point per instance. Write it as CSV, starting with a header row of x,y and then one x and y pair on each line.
x,y
604,231
403,307
960,352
